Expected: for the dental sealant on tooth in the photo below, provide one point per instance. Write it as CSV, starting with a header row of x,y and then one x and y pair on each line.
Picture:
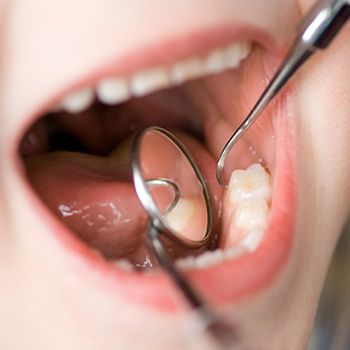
x,y
247,208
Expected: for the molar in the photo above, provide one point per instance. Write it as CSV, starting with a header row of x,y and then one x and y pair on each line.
x,y
247,207
252,239
251,183
251,214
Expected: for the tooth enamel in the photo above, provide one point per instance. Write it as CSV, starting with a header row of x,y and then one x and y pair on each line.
x,y
234,252
215,62
209,258
180,216
252,239
116,90
113,91
78,101
148,81
252,213
235,53
124,264
186,263
186,70
251,183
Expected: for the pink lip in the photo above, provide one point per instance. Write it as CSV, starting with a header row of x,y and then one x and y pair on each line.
x,y
166,52
229,281
236,279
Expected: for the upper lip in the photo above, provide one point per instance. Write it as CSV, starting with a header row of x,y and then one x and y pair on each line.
x,y
156,289
168,50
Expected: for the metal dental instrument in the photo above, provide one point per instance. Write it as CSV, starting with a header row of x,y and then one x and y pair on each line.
x,y
162,183
317,31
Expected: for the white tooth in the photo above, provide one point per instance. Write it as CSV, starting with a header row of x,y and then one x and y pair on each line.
x,y
78,101
235,53
186,70
252,239
209,258
147,81
186,263
251,183
246,49
206,259
124,264
215,62
113,91
180,216
234,252
252,213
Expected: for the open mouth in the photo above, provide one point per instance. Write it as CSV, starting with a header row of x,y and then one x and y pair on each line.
x,y
76,160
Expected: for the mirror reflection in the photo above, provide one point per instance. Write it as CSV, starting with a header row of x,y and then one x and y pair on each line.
x,y
174,186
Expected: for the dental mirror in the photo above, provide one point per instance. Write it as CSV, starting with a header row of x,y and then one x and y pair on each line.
x,y
173,192
171,187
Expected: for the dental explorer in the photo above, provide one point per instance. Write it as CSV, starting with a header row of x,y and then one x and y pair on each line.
x,y
317,30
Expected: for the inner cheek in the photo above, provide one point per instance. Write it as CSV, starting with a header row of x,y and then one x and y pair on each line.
x,y
233,97
322,127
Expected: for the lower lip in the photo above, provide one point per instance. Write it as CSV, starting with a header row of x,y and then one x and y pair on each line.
x,y
227,282
233,280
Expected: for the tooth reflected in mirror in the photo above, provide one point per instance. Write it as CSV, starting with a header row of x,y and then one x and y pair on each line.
x,y
171,187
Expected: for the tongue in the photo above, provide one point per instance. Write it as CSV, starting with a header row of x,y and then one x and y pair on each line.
x,y
95,198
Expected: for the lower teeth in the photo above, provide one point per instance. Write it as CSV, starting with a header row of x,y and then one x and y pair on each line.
x,y
246,215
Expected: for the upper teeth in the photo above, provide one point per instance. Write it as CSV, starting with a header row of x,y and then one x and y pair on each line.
x,y
78,101
119,89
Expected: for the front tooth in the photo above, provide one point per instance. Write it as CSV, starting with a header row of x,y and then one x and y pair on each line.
x,y
78,101
252,213
113,91
251,183
180,216
235,53
148,81
186,70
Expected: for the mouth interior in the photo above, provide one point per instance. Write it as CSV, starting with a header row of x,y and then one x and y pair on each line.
x,y
79,164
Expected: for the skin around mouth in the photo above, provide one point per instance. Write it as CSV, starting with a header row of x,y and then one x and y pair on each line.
x,y
55,289
91,179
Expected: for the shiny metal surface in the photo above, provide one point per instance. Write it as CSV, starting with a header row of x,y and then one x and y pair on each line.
x,y
166,183
142,187
317,31
221,332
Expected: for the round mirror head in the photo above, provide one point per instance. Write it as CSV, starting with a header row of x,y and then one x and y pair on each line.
x,y
171,187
